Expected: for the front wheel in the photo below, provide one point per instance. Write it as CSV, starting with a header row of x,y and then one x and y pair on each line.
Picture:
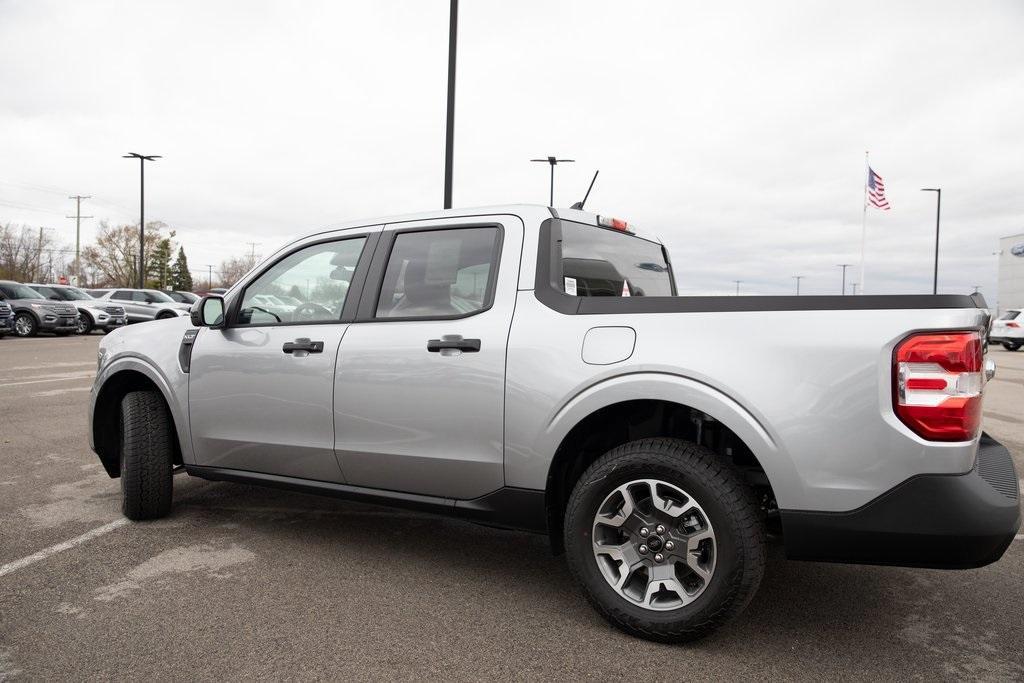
x,y
665,539
84,324
146,456
25,325
1011,346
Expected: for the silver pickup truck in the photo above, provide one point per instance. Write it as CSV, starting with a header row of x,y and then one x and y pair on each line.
x,y
534,368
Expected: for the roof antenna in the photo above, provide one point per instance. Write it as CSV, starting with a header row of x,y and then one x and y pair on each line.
x,y
579,205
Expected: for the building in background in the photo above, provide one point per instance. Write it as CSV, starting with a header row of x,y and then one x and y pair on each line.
x,y
1011,273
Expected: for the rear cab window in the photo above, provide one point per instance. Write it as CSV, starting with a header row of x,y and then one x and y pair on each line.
x,y
597,261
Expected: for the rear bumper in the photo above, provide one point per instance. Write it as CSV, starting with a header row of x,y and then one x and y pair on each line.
x,y
931,520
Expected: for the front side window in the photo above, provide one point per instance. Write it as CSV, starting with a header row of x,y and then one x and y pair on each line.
x,y
316,279
602,262
440,273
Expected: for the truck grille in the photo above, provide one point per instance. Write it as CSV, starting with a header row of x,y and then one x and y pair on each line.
x,y
996,467
5,310
114,310
65,309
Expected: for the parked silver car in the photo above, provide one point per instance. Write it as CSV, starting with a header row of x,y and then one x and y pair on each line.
x,y
92,313
534,368
141,305
34,313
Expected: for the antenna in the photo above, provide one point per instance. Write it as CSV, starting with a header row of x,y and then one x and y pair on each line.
x,y
579,205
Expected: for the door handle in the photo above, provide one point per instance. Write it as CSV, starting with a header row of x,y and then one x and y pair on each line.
x,y
453,341
303,344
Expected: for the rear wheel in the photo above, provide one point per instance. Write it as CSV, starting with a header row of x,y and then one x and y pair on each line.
x,y
665,539
1011,346
25,325
146,456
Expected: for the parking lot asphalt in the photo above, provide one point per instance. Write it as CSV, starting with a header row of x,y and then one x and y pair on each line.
x,y
242,582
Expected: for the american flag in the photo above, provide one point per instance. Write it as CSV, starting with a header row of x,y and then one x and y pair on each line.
x,y
876,191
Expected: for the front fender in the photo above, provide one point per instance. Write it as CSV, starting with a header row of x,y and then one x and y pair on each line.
x,y
172,384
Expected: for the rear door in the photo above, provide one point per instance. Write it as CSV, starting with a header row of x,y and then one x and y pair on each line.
x,y
132,308
419,396
261,390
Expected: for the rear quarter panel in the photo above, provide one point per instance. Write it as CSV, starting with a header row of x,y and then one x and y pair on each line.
x,y
808,391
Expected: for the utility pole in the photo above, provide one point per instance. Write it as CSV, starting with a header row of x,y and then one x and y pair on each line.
x,y
209,281
252,255
142,210
938,212
553,162
844,266
449,137
854,285
78,233
737,286
798,278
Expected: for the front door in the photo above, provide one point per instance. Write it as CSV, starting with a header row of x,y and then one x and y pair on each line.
x,y
261,390
419,397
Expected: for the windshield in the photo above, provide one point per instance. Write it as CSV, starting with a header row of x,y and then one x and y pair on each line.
x,y
1009,315
159,296
76,293
15,291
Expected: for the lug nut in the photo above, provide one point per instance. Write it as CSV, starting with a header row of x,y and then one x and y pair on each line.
x,y
644,531
642,549
660,529
659,557
669,545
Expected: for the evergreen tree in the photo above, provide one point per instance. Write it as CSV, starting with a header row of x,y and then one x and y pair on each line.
x,y
158,265
181,276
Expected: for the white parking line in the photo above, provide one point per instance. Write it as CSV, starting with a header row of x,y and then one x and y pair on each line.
x,y
51,366
61,547
53,378
58,392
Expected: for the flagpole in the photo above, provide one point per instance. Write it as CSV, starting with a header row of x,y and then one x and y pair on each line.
x,y
864,221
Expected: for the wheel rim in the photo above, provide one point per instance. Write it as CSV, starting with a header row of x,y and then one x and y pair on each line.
x,y
81,324
23,326
654,544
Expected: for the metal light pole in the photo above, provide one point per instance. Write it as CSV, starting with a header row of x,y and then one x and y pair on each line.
x,y
142,210
938,212
798,278
449,138
737,286
844,266
553,162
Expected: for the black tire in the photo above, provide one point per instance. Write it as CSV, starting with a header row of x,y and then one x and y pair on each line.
x,y
147,448
1011,346
85,323
28,327
732,511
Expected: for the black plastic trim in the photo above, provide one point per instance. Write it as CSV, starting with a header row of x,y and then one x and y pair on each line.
x,y
548,292
507,507
942,521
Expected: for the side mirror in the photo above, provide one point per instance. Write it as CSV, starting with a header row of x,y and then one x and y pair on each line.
x,y
208,312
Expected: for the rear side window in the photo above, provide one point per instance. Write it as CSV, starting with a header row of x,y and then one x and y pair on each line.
x,y
1009,315
121,295
440,273
602,262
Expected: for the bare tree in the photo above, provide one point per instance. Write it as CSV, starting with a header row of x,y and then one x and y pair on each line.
x,y
115,256
232,269
26,253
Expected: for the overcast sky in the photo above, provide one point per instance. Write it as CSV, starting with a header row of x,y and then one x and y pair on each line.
x,y
734,131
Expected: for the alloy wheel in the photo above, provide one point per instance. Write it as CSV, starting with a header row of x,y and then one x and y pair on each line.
x,y
654,544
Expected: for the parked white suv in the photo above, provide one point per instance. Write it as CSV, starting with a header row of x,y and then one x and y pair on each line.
x,y
144,304
1008,330
92,313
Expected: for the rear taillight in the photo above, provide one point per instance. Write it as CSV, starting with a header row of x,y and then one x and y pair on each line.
x,y
1012,324
937,384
